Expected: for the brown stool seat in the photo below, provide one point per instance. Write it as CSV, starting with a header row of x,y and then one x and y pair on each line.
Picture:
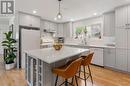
x,y
68,71
86,62
87,59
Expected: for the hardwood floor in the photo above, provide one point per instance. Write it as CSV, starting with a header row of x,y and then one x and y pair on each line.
x,y
101,76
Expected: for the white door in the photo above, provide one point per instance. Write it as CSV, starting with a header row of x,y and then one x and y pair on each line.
x,y
121,38
121,59
30,40
121,16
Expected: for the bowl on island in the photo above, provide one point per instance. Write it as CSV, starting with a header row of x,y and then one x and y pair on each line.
x,y
57,46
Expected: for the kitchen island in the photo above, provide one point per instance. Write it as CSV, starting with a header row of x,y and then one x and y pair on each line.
x,y
39,63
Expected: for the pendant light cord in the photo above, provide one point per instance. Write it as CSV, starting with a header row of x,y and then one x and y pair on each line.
x,y
59,5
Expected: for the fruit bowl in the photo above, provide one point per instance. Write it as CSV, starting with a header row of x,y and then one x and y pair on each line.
x,y
57,46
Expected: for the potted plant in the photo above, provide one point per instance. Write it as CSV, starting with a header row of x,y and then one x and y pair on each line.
x,y
9,54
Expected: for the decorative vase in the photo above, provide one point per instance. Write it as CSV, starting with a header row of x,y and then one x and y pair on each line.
x,y
9,66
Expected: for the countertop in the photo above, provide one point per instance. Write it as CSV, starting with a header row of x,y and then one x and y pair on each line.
x,y
50,55
83,45
90,45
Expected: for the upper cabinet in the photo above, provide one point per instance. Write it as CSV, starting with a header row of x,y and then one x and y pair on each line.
x,y
121,14
109,24
67,30
122,27
129,16
59,31
29,20
49,26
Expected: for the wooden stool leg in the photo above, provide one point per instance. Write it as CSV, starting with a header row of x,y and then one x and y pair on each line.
x,y
79,71
56,80
84,76
90,74
72,80
66,82
76,80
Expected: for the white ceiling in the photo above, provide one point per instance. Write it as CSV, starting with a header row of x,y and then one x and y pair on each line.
x,y
71,9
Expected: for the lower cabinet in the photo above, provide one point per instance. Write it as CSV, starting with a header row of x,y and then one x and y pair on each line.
x,y
121,59
128,60
109,57
98,56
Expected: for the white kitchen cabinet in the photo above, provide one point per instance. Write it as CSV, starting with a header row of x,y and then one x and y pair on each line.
x,y
109,24
29,20
67,31
128,38
109,57
46,25
121,59
98,56
128,60
128,16
59,31
121,16
121,38
50,26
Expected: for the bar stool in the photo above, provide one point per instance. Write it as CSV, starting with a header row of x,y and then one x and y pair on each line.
x,y
68,71
86,62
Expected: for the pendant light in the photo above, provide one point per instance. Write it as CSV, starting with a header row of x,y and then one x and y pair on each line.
x,y
59,15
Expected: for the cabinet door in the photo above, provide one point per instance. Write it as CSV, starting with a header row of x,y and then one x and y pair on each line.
x,y
29,20
109,58
129,60
109,24
121,38
128,38
98,56
121,59
129,16
46,25
121,16
60,30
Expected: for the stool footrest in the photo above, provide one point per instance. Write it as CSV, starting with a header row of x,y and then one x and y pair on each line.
x,y
67,82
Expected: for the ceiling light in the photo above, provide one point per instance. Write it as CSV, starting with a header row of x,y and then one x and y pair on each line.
x,y
71,19
95,14
34,11
55,19
59,15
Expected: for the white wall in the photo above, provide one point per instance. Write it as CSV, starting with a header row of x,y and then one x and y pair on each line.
x,y
4,27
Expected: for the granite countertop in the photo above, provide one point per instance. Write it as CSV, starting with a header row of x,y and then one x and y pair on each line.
x,y
50,55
